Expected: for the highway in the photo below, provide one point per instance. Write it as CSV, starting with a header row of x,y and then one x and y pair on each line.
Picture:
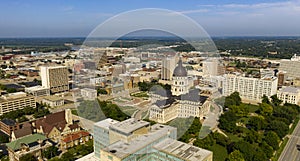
x,y
290,152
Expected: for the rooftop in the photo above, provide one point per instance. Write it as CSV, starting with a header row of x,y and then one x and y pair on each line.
x,y
182,150
36,88
122,149
15,145
9,122
289,89
14,95
130,125
106,123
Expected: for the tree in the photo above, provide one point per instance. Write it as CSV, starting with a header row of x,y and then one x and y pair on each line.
x,y
4,138
101,91
256,123
265,99
275,100
265,109
272,139
279,127
28,157
50,152
236,155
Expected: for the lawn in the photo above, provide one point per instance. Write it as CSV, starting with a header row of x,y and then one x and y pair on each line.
x,y
140,94
252,108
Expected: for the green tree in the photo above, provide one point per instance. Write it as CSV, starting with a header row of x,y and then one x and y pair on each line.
x,y
265,109
101,91
28,157
275,100
236,155
272,139
50,152
279,127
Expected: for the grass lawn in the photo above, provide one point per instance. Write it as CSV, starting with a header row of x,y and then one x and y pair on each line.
x,y
233,137
140,94
252,108
219,152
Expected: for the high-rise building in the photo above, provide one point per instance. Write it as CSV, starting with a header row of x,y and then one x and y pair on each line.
x,y
55,78
168,66
250,89
15,101
213,67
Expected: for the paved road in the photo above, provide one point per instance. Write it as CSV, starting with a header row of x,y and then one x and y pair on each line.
x,y
290,152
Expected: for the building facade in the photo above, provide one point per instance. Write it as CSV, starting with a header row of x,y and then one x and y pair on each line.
x,y
55,78
168,66
250,89
15,101
289,95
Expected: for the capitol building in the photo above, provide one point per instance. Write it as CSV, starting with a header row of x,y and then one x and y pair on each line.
x,y
182,101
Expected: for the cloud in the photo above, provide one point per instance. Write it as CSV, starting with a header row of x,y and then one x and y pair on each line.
x,y
67,8
194,11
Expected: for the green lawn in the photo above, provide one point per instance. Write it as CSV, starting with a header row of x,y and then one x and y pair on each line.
x,y
140,94
233,137
219,152
252,108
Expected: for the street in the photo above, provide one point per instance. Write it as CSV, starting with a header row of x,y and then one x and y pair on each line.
x,y
290,152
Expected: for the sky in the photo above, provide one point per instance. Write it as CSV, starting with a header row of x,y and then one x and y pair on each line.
x,y
78,18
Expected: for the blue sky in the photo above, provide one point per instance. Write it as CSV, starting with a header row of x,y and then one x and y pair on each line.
x,y
76,18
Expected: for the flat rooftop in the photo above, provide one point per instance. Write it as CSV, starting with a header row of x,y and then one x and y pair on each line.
x,y
105,124
36,88
289,89
14,95
130,125
182,150
122,149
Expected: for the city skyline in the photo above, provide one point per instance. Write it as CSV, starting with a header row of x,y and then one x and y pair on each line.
x,y
218,18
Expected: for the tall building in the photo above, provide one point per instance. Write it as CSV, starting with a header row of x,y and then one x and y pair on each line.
x,y
15,101
213,67
250,89
289,95
291,66
168,66
55,78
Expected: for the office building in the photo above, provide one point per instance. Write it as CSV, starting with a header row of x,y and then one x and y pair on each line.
x,y
250,89
101,139
55,78
15,101
168,66
289,95
213,67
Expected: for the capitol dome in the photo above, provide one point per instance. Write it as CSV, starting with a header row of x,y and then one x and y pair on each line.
x,y
180,71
